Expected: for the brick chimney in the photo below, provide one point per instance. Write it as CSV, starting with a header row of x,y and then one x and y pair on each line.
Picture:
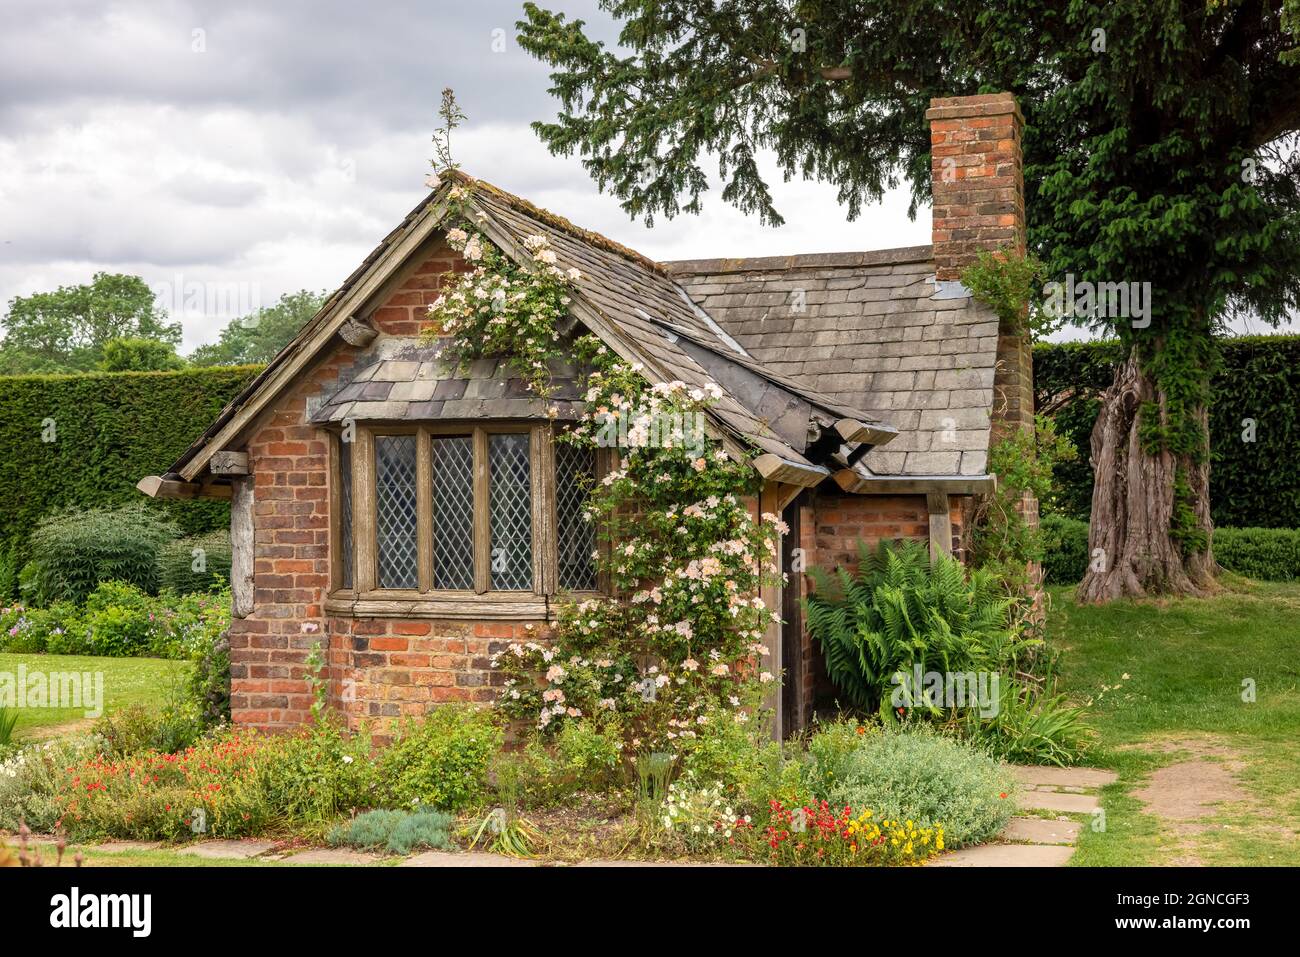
x,y
979,183
979,204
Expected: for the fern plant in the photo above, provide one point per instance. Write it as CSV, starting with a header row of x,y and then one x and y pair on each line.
x,y
900,610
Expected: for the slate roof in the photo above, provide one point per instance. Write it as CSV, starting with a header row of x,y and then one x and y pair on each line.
x,y
647,309
872,331
402,379
876,344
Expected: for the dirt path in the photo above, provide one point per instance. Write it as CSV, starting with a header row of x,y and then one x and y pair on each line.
x,y
1188,795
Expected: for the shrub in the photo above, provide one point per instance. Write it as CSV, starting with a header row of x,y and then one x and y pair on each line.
x,y
135,728
443,760
73,552
34,630
316,774
902,610
398,832
582,757
34,781
199,563
923,777
122,619
830,747
1065,550
8,721
1270,554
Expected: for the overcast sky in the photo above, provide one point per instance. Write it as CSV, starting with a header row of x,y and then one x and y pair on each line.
x,y
273,144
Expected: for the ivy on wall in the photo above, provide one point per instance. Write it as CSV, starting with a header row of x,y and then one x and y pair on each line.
x,y
1254,425
86,440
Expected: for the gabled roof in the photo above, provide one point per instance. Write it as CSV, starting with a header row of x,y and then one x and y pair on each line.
x,y
870,331
631,303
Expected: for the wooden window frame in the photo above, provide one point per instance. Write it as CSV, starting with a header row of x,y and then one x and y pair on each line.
x,y
367,599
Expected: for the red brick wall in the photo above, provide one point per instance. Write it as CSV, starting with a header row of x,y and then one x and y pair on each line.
x,y
395,667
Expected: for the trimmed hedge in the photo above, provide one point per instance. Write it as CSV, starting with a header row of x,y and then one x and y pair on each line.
x,y
1272,554
1269,554
1252,484
85,440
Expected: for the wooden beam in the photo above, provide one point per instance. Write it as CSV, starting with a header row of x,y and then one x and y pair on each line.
x,y
936,504
357,332
229,463
241,548
851,430
853,481
155,486
776,469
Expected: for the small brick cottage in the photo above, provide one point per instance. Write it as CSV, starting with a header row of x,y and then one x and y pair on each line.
x,y
369,482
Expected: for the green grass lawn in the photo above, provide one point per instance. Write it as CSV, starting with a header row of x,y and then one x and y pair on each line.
x,y
1166,680
127,681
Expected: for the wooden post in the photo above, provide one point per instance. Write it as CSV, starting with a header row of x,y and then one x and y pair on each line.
x,y
936,503
770,500
241,547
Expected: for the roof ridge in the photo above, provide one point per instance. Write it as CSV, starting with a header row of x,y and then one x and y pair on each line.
x,y
519,204
869,257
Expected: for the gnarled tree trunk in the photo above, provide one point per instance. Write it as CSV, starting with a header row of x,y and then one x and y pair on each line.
x,y
1132,552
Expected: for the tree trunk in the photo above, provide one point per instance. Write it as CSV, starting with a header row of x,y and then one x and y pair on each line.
x,y
1132,552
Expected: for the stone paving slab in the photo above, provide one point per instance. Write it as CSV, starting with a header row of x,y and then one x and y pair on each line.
x,y
331,856
228,849
1059,801
1037,830
467,859
1006,855
1064,777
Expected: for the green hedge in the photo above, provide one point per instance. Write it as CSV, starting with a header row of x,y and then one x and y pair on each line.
x,y
109,430
1065,549
1252,484
1269,554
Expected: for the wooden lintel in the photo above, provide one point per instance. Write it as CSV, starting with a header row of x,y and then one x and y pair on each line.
x,y
228,463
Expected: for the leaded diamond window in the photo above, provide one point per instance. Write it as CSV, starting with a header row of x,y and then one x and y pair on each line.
x,y
346,559
453,511
510,506
575,533
395,516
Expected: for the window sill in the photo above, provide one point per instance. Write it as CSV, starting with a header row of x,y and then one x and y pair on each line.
x,y
491,607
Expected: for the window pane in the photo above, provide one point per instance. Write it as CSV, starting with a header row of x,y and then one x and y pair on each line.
x,y
510,503
346,559
395,511
453,512
575,469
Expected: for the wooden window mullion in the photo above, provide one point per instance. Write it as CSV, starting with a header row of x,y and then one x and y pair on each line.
x,y
363,509
424,509
482,518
